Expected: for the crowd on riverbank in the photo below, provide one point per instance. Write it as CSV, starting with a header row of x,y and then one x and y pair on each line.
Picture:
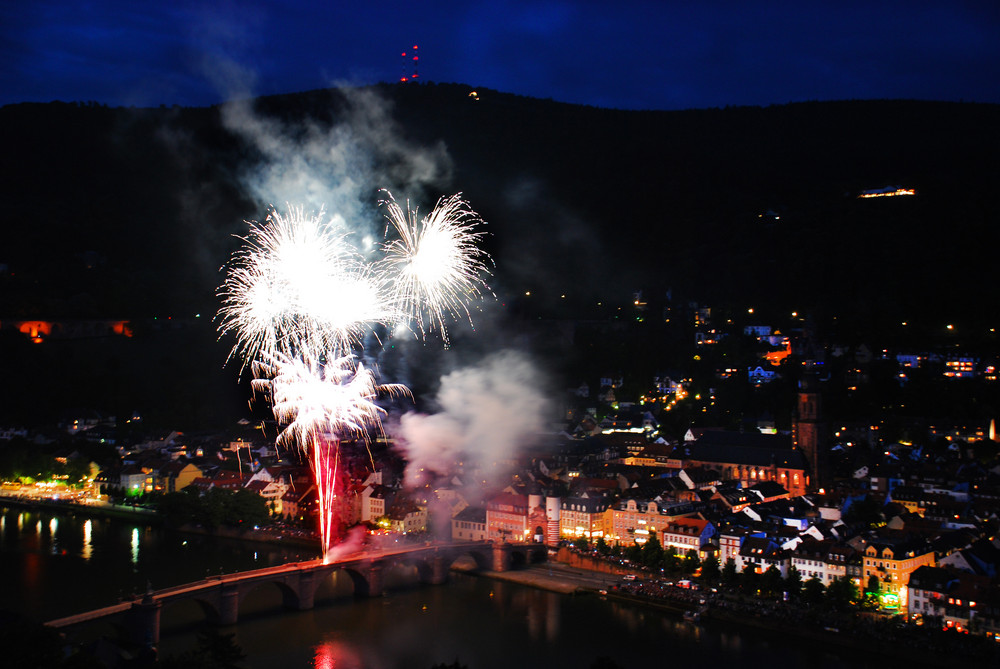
x,y
867,632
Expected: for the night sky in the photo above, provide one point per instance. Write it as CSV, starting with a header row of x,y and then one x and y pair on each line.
x,y
630,55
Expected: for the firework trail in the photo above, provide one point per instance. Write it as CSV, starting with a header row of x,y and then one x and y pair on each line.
x,y
435,266
299,298
318,403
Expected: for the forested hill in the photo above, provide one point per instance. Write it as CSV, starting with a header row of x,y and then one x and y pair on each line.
x,y
130,212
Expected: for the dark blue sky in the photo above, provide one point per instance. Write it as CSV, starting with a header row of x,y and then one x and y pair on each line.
x,y
633,55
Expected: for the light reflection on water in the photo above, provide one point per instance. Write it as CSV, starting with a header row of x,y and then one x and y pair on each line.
x,y
135,545
88,548
57,565
478,622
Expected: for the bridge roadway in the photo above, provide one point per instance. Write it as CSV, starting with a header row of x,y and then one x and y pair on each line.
x,y
220,596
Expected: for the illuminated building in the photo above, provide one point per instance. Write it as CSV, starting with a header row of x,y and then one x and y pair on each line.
x,y
633,521
175,476
759,376
888,191
751,457
960,601
808,431
730,541
892,561
406,516
966,433
469,524
583,516
686,534
734,500
507,518
825,560
270,491
39,330
654,455
960,368
760,554
375,500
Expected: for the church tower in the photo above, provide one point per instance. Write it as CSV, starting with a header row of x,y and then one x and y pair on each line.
x,y
808,431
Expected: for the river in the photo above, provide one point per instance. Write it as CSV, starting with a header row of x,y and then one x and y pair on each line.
x,y
59,565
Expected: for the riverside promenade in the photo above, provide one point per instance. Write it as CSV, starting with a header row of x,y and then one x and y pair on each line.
x,y
866,634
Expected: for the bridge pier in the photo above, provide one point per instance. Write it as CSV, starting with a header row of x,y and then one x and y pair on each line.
x,y
306,593
145,621
501,556
440,570
375,580
229,604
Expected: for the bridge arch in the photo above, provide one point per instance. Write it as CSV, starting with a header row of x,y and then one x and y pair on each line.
x,y
290,597
482,558
175,610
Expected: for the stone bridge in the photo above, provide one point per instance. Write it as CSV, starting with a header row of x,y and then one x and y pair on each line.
x,y
220,596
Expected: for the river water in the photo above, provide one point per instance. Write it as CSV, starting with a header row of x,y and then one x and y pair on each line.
x,y
54,566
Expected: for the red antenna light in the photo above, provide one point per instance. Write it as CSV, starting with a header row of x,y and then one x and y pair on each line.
x,y
415,58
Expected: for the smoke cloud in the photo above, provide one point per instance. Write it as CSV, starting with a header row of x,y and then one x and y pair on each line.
x,y
487,413
341,165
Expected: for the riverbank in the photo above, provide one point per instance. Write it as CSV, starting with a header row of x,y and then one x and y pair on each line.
x,y
152,517
99,509
864,637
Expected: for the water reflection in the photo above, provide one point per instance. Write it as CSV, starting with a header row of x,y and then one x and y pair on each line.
x,y
88,548
53,540
333,654
86,570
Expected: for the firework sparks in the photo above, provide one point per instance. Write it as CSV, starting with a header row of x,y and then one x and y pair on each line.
x,y
436,264
299,287
310,397
299,299
318,404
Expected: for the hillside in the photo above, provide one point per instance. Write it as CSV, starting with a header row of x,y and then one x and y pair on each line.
x,y
129,213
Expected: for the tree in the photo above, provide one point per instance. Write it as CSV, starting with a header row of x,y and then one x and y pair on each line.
x,y
771,581
581,544
710,569
214,650
247,508
749,579
691,562
812,591
652,552
602,546
729,574
841,593
793,583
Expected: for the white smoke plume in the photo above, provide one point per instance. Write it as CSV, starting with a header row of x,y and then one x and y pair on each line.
x,y
487,413
341,165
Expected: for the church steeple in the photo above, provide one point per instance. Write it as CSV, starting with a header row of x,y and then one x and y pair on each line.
x,y
808,431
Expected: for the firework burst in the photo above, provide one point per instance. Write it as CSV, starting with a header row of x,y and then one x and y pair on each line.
x,y
318,403
299,298
435,263
298,287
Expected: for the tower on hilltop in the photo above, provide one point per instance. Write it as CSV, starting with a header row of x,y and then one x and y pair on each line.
x,y
413,58
808,430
